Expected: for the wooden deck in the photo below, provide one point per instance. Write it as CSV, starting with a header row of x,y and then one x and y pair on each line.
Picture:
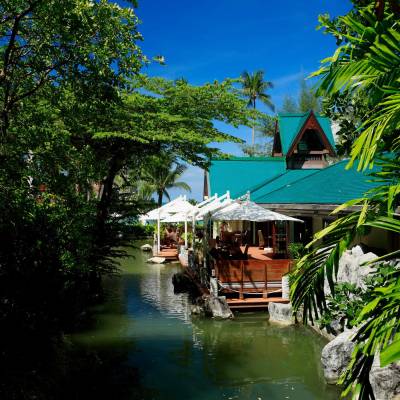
x,y
256,253
168,254
254,303
252,283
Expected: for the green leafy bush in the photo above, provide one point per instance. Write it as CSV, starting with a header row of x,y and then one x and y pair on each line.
x,y
138,230
296,250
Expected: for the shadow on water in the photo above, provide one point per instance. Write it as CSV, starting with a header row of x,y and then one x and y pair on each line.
x,y
143,344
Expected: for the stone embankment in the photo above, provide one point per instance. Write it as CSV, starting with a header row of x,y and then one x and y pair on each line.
x,y
336,355
385,382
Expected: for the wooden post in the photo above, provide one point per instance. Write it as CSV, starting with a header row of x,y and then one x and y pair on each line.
x,y
287,239
158,234
241,281
265,291
193,230
186,234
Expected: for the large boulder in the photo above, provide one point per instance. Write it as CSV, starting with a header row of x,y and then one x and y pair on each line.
x,y
385,381
336,356
351,268
281,313
285,287
217,307
183,283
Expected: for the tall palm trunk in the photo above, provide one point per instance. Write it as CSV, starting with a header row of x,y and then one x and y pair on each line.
x,y
160,197
253,135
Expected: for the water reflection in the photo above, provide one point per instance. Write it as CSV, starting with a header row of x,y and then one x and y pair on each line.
x,y
180,358
157,289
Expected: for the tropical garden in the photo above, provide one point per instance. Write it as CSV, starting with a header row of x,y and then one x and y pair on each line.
x,y
361,79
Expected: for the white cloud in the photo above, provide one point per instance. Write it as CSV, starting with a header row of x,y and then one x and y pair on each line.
x,y
288,79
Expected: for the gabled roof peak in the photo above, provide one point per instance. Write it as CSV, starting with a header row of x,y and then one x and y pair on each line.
x,y
290,125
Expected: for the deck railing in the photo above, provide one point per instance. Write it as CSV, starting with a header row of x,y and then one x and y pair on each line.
x,y
251,276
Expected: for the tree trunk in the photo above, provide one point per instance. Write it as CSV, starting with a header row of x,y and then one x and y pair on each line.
x,y
105,200
253,128
160,197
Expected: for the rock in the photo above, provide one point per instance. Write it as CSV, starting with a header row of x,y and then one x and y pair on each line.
x,y
322,331
336,356
337,326
146,247
196,309
157,260
281,313
385,381
182,283
217,307
214,286
351,268
357,251
285,287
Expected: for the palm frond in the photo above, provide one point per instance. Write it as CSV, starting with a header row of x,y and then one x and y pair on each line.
x,y
255,87
182,185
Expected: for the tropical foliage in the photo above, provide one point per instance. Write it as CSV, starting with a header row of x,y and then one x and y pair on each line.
x,y
307,100
365,64
163,172
254,88
78,123
264,128
347,113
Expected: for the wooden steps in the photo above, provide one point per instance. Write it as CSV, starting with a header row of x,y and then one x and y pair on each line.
x,y
255,302
168,254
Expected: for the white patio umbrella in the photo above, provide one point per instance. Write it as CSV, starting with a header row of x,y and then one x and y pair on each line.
x,y
217,204
174,213
249,211
162,211
179,217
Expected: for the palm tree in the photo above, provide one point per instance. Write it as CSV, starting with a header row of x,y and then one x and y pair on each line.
x,y
254,88
162,173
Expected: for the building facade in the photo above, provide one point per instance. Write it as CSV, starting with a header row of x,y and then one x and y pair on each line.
x,y
301,179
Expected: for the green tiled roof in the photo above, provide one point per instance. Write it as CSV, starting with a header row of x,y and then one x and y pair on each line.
x,y
278,182
290,124
239,174
331,185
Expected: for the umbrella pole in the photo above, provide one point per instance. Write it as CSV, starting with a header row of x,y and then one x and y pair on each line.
x,y
158,235
186,235
193,230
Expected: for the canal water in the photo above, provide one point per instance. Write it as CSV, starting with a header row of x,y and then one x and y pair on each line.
x,y
156,350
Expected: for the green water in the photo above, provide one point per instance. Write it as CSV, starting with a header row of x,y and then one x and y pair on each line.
x,y
147,330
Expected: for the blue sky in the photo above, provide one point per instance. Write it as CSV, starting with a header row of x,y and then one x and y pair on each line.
x,y
215,39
